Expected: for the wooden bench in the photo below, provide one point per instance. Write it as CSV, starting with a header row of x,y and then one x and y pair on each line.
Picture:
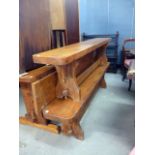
x,y
61,96
26,81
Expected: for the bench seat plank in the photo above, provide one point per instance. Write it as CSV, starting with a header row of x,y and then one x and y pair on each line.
x,y
70,53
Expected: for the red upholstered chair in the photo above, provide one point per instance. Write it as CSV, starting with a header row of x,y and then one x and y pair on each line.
x,y
132,152
128,62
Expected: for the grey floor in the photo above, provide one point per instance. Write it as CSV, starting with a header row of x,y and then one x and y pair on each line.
x,y
108,125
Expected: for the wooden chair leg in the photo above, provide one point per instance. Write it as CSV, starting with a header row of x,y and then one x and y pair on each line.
x,y
124,74
130,83
103,83
77,130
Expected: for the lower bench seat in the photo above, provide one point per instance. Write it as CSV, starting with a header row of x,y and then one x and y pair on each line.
x,y
61,109
66,109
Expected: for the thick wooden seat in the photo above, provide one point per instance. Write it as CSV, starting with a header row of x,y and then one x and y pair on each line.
x,y
67,109
36,74
61,110
70,53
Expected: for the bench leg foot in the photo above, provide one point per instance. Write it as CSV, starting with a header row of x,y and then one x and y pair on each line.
x,y
66,129
77,130
103,83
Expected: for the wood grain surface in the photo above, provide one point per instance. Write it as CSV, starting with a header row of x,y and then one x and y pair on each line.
x,y
70,53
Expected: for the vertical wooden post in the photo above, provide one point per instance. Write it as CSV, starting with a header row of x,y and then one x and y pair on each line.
x,y
67,84
102,55
103,83
77,130
27,95
103,60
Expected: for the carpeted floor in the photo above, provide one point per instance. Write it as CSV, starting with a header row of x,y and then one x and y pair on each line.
x,y
108,126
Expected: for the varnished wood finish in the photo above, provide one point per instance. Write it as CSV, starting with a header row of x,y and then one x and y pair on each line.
x,y
67,84
34,29
70,53
67,111
72,21
57,14
50,127
87,72
77,130
36,74
61,109
62,95
66,64
26,81
40,77
103,83
85,62
44,92
27,96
